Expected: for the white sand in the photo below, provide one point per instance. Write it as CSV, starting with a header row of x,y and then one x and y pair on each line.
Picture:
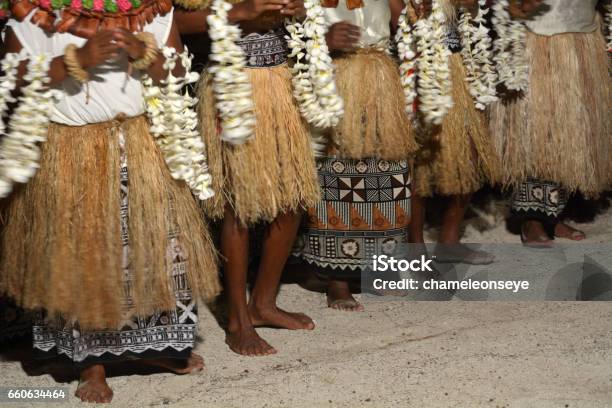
x,y
399,354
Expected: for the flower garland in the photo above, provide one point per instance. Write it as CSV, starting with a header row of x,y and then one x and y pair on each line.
x,y
477,56
509,48
29,124
230,83
406,51
174,124
314,85
608,23
9,65
434,84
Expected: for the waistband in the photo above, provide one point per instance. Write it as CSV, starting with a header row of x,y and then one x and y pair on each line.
x,y
265,50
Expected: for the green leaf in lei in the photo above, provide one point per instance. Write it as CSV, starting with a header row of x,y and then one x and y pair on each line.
x,y
136,4
57,4
87,4
67,3
110,6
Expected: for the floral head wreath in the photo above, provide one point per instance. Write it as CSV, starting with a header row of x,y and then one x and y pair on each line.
x,y
84,18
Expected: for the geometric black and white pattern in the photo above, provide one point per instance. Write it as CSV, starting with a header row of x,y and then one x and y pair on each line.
x,y
365,210
264,50
538,199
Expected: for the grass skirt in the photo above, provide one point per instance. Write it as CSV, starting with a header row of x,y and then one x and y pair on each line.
x,y
457,157
61,245
560,129
375,123
273,172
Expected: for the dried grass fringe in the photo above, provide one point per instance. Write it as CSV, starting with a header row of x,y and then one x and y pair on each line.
x,y
375,123
61,244
560,129
457,157
272,173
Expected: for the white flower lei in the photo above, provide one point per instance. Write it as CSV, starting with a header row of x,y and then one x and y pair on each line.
x,y
9,65
477,56
29,124
314,85
406,51
174,124
509,48
230,83
434,84
608,22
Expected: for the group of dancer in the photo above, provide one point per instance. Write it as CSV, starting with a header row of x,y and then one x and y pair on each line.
x,y
114,175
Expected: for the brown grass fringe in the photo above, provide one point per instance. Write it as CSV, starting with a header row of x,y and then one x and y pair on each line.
x,y
272,173
457,157
61,243
375,123
560,130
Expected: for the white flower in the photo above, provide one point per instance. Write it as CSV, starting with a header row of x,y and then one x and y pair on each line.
x,y
509,48
29,123
314,85
477,56
406,50
434,85
230,83
174,124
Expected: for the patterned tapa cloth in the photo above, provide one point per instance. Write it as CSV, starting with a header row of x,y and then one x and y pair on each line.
x,y
539,200
365,210
162,335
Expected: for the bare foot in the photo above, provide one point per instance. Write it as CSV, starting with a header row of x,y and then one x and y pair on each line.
x,y
562,230
273,316
339,297
92,385
460,253
194,364
246,342
534,235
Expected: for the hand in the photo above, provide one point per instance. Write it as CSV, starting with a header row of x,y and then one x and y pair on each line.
x,y
422,8
342,36
134,48
294,8
524,8
251,9
98,49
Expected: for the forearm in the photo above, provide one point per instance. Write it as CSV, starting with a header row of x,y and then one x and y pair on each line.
x,y
396,7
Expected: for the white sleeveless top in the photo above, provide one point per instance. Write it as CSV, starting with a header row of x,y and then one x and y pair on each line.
x,y
111,90
565,16
373,19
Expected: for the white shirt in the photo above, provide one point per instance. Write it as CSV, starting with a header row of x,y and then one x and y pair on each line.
x,y
373,19
565,16
111,90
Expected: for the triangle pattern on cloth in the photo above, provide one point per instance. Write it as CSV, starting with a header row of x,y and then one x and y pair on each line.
x,y
334,220
358,222
313,219
380,222
402,217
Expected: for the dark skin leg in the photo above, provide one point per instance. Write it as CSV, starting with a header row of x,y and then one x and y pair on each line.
x,y
417,221
452,219
92,385
241,335
339,297
277,244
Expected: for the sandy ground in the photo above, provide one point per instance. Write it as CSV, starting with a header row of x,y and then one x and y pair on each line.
x,y
395,354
